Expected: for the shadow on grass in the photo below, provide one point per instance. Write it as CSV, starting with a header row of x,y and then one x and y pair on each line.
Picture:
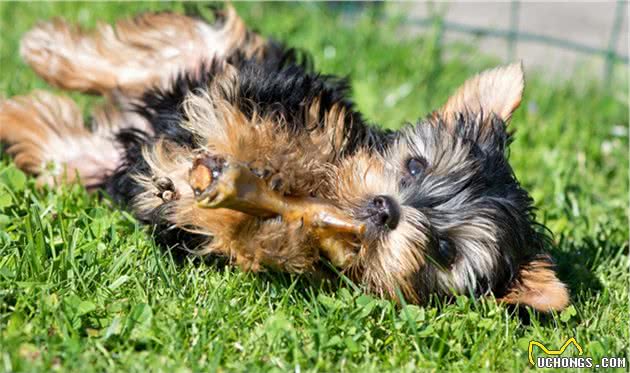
x,y
577,261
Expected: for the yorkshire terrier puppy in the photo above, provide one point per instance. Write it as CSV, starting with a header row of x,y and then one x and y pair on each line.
x,y
228,144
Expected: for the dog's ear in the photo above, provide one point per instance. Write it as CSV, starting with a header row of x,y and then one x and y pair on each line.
x,y
537,286
497,91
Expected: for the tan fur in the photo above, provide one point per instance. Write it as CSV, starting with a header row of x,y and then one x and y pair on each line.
x,y
122,61
300,161
309,166
47,137
538,287
134,54
479,258
277,245
116,113
387,264
382,264
497,91
251,242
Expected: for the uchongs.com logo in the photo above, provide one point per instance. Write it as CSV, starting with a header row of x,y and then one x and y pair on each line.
x,y
554,358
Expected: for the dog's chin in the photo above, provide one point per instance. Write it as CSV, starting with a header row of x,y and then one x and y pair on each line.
x,y
391,259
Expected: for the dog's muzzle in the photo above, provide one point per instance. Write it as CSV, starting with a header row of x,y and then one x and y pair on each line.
x,y
384,212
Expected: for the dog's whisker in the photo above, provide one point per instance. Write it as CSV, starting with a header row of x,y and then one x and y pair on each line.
x,y
261,160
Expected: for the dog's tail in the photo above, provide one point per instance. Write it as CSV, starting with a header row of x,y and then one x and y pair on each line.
x,y
45,134
134,54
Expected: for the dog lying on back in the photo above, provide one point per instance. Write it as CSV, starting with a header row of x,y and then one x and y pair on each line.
x,y
229,145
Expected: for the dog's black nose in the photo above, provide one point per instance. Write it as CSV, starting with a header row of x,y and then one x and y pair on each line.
x,y
384,212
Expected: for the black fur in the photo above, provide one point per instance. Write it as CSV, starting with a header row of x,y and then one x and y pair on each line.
x,y
278,85
486,186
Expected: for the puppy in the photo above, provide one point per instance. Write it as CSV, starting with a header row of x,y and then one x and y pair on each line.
x,y
228,144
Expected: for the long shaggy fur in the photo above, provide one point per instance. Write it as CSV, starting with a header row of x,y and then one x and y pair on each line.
x,y
440,209
117,57
49,139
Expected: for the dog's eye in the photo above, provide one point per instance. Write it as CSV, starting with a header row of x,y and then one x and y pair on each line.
x,y
416,166
446,253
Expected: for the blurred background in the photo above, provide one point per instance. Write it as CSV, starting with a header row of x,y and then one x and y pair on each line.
x,y
557,37
75,273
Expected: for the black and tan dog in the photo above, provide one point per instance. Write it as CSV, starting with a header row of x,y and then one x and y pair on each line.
x,y
229,145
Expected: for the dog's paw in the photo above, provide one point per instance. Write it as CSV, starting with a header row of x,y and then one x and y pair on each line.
x,y
214,180
275,179
218,182
165,189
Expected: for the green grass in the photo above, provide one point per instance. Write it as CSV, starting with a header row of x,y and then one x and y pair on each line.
x,y
83,287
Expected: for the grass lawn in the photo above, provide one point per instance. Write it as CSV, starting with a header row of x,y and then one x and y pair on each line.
x,y
83,287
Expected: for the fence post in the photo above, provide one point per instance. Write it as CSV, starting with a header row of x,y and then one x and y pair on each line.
x,y
513,34
612,42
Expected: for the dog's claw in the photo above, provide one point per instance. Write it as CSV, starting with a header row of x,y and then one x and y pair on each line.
x,y
274,178
218,183
260,169
276,182
163,183
166,188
